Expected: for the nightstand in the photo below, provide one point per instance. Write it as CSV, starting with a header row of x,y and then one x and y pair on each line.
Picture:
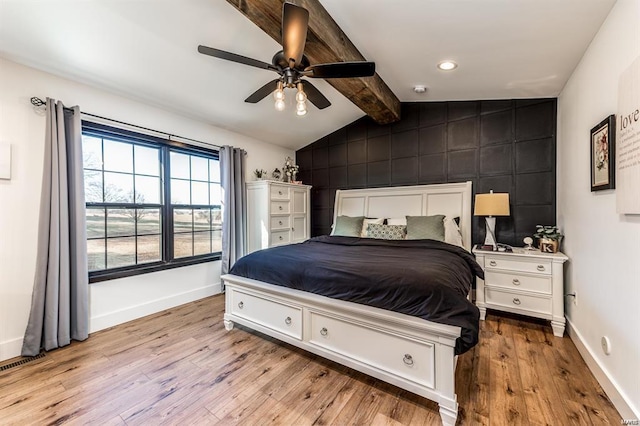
x,y
525,282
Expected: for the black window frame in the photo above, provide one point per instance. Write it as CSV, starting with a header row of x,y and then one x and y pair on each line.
x,y
166,146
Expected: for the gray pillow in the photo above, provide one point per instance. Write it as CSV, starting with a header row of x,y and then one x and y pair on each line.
x,y
425,227
347,226
386,232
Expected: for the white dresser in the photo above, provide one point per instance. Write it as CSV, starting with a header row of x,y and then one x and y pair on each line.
x,y
277,213
523,282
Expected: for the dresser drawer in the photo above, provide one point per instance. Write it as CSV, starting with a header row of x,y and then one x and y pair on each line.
x,y
280,207
405,357
284,318
279,192
509,280
280,237
280,222
514,301
536,266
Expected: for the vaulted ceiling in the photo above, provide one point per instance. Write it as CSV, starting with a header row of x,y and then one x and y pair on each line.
x,y
146,50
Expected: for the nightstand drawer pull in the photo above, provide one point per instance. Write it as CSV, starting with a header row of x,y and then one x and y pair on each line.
x,y
540,268
324,331
493,263
516,301
408,359
287,320
240,305
516,281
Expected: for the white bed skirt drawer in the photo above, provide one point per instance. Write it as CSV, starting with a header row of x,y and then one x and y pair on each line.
x,y
536,266
507,280
284,318
401,356
514,302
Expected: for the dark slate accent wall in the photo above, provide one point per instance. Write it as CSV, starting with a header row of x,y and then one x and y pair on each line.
x,y
504,145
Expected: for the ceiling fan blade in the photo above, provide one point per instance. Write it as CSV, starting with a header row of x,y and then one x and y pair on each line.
x,y
314,96
341,70
263,92
295,21
217,53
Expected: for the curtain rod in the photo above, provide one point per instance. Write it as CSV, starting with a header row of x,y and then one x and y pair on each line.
x,y
37,102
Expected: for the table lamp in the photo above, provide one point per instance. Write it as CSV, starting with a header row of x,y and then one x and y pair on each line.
x,y
491,205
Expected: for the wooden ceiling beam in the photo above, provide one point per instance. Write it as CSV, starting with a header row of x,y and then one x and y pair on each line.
x,y
327,43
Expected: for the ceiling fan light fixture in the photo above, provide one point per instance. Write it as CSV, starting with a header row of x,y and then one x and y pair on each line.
x,y
447,65
279,105
301,112
278,94
300,95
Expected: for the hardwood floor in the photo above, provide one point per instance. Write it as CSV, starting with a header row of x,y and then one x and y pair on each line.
x,y
181,367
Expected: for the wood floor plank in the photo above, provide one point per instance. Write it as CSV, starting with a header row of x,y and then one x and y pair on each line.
x,y
181,367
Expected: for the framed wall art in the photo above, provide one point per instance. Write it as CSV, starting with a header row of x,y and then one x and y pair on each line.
x,y
603,154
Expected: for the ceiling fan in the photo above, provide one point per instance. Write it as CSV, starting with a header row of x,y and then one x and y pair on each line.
x,y
292,64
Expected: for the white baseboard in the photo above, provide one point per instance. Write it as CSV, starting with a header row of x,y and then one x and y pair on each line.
x,y
10,348
151,307
609,385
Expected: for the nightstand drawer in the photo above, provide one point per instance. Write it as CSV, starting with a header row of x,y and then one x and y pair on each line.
x,y
279,192
510,281
513,301
536,266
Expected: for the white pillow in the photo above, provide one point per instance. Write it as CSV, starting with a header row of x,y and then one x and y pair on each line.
x,y
366,222
452,233
397,221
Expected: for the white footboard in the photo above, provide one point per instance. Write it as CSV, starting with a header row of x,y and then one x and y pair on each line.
x,y
406,351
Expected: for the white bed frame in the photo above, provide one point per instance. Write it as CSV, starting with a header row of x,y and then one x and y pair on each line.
x,y
409,352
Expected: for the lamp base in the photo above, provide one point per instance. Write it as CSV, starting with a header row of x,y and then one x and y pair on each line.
x,y
490,228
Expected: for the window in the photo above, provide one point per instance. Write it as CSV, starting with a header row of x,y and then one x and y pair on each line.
x,y
152,204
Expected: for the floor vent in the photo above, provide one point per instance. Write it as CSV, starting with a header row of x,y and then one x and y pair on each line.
x,y
22,361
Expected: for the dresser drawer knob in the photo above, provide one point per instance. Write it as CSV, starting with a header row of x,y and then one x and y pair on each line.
x,y
280,237
279,207
279,192
493,263
240,305
516,281
408,359
287,320
540,267
279,222
324,331
516,301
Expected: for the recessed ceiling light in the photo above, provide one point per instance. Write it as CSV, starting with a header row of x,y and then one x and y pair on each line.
x,y
447,65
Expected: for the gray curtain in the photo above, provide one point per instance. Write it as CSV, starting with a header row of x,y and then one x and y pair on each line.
x,y
60,301
234,214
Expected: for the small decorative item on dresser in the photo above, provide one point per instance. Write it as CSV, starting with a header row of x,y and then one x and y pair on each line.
x,y
549,238
276,174
290,170
260,174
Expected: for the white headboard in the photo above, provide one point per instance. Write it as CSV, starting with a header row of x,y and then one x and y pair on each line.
x,y
451,199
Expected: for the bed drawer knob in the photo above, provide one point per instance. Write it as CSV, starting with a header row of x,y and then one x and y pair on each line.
x,y
408,359
516,301
540,267
324,331
240,305
287,320
516,281
493,263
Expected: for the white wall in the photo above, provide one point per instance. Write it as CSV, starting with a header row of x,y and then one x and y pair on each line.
x,y
604,247
115,301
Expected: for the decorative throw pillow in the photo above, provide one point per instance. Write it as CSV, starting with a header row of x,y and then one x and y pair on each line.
x,y
397,221
347,226
386,232
366,223
452,233
425,227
